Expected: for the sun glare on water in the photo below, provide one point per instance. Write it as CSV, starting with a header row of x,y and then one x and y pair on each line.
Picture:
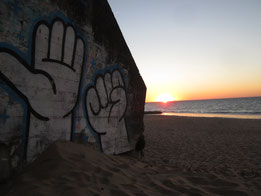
x,y
164,98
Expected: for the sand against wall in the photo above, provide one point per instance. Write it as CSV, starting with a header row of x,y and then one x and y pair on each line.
x,y
191,156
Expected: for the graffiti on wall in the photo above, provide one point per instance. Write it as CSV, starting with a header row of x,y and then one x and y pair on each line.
x,y
49,81
105,107
13,115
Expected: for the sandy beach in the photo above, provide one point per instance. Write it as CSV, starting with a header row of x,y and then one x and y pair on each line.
x,y
213,155
183,156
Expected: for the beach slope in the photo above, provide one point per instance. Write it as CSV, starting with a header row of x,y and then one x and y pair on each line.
x,y
192,156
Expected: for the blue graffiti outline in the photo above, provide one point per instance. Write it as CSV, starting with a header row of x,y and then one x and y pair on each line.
x,y
18,99
110,69
27,58
80,93
4,116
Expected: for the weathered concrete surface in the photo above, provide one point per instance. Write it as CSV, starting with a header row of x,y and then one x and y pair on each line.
x,y
66,73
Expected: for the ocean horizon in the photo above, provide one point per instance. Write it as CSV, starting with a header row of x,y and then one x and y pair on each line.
x,y
246,107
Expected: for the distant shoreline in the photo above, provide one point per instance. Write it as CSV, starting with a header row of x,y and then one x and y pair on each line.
x,y
241,108
206,99
205,115
153,112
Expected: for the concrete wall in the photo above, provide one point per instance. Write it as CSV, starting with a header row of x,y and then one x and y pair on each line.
x,y
66,73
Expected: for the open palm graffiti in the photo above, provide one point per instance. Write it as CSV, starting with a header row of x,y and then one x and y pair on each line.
x,y
56,59
50,83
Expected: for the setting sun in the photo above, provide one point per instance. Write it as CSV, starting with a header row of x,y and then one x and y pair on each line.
x,y
165,98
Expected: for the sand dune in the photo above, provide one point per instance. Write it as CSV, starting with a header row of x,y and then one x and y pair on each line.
x,y
75,169
183,156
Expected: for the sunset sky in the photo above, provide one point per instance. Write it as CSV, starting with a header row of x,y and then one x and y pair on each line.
x,y
194,49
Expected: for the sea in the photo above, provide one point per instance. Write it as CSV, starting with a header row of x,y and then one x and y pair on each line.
x,y
246,108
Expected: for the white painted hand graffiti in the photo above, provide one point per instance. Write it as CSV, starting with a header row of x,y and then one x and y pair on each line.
x,y
105,107
56,61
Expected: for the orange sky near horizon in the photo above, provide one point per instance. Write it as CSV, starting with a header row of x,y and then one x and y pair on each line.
x,y
199,95
194,50
197,91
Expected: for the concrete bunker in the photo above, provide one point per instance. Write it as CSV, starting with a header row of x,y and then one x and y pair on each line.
x,y
66,73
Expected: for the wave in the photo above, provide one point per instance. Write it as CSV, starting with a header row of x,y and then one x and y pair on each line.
x,y
242,106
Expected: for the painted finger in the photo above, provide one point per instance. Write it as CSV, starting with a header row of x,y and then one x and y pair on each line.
x,y
93,109
56,44
68,45
108,83
41,42
102,94
118,96
92,103
117,79
79,55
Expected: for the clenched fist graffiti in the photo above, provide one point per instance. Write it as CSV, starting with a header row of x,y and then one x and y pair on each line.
x,y
50,81
105,106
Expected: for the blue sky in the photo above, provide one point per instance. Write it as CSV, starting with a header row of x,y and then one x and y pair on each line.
x,y
194,49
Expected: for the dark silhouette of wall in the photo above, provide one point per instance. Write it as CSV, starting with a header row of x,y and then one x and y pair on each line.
x,y
66,73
